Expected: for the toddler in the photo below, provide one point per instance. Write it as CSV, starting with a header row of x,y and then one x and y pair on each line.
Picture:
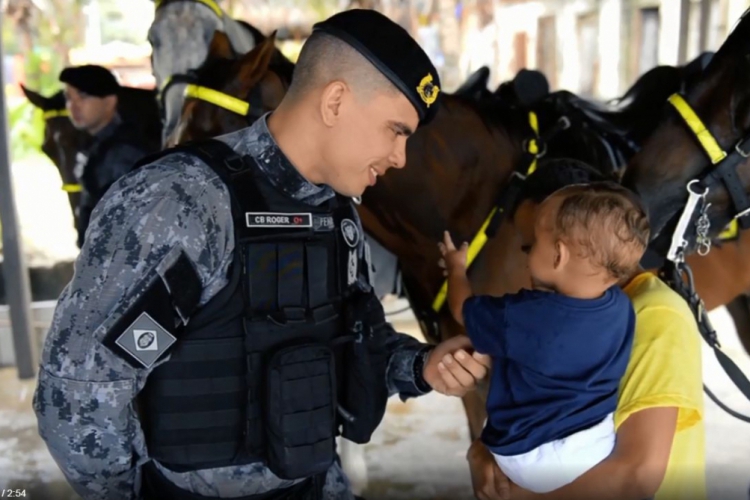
x,y
560,349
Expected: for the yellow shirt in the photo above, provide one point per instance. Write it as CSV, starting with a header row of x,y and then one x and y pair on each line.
x,y
665,371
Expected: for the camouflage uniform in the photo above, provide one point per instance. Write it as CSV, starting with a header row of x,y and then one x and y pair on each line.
x,y
85,394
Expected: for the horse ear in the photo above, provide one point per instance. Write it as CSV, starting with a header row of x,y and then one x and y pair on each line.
x,y
221,47
35,98
255,63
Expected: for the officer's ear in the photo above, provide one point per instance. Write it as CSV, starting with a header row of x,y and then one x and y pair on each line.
x,y
253,65
331,100
220,47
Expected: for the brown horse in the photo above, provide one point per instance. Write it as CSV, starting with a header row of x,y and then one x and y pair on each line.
x,y
661,174
455,170
61,142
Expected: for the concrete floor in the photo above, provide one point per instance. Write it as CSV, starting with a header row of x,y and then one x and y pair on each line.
x,y
418,452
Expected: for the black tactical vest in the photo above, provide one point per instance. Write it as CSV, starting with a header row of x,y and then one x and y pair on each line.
x,y
286,356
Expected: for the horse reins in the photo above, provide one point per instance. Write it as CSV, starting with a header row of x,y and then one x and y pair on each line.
x,y
534,149
675,268
51,114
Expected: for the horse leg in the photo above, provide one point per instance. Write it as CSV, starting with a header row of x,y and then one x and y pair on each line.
x,y
739,309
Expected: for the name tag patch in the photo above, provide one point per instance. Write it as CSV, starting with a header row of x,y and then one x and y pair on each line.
x,y
271,219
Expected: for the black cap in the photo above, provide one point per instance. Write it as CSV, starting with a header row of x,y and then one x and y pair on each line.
x,y
93,80
392,51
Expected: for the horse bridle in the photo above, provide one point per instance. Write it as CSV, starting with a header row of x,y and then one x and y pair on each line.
x,y
723,170
51,114
534,148
179,78
251,107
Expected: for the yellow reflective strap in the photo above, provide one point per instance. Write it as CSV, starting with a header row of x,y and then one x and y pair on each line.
x,y
534,122
208,3
55,113
709,143
533,146
730,232
218,98
474,248
481,238
71,188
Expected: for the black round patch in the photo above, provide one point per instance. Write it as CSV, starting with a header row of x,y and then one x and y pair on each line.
x,y
146,339
351,232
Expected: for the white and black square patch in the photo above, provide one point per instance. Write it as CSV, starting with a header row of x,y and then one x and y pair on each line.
x,y
145,340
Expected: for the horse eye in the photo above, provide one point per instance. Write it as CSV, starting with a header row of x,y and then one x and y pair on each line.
x,y
526,249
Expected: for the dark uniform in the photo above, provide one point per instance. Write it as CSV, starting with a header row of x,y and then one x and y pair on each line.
x,y
111,153
220,330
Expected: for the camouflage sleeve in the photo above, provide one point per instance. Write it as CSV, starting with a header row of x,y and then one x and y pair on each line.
x,y
401,374
404,350
84,397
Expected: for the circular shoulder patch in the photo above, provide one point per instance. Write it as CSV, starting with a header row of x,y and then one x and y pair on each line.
x,y
351,232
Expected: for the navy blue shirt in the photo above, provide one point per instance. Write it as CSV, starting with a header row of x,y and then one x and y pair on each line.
x,y
557,362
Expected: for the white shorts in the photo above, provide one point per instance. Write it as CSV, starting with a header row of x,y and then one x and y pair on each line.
x,y
557,463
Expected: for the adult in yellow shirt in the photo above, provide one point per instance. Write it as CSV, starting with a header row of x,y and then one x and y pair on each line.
x,y
660,450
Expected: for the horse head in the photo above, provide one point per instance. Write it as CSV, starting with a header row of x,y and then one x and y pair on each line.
x,y
230,93
180,36
673,156
61,139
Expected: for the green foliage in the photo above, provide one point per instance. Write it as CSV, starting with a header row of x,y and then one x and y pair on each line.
x,y
43,68
26,132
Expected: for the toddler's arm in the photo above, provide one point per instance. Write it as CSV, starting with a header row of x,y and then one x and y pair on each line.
x,y
454,263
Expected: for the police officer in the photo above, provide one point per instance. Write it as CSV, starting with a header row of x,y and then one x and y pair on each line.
x,y
220,330
91,99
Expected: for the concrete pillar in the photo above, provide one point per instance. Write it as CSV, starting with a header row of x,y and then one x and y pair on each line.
x,y
669,37
567,38
610,25
14,266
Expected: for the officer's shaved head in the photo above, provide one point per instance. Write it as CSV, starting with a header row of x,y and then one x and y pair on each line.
x,y
325,59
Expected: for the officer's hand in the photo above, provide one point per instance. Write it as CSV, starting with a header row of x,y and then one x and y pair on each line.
x,y
451,370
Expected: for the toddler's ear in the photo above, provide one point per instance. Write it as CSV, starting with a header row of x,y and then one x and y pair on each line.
x,y
562,255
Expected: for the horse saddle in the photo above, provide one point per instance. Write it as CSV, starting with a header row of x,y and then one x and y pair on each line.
x,y
531,86
598,116
475,85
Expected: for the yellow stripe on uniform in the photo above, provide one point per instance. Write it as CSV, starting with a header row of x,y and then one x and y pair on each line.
x,y
71,188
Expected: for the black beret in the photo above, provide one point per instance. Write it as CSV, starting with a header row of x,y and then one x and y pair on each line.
x,y
392,51
93,80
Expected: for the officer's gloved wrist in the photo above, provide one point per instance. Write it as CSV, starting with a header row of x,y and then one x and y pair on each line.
x,y
420,361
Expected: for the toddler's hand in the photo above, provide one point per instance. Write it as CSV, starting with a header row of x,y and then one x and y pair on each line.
x,y
454,260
